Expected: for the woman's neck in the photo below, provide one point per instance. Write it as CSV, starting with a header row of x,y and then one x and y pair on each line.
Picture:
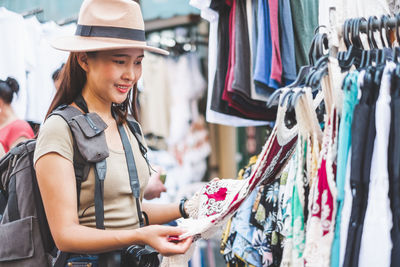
x,y
7,116
97,105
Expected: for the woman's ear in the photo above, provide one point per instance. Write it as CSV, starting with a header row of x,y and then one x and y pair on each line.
x,y
83,61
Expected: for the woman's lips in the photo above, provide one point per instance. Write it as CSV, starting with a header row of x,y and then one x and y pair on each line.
x,y
123,88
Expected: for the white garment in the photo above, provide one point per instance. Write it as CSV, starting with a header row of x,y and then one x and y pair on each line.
x,y
376,239
155,97
186,85
16,55
40,85
211,115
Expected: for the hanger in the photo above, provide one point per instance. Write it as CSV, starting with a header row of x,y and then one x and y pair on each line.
x,y
353,55
370,32
303,71
384,25
32,12
317,71
341,54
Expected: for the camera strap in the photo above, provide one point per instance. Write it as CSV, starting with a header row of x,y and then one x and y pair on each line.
x,y
133,176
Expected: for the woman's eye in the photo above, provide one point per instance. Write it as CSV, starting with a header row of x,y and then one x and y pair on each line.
x,y
138,62
119,62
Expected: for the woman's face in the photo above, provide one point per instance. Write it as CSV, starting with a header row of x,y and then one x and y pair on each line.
x,y
111,74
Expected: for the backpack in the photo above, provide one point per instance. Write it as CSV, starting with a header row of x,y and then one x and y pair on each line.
x,y
25,237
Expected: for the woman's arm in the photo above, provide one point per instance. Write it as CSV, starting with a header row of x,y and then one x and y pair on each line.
x,y
161,213
58,190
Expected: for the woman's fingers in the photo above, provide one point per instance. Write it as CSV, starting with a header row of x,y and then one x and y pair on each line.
x,y
174,248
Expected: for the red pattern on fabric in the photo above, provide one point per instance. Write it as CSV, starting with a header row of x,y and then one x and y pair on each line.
x,y
218,196
324,209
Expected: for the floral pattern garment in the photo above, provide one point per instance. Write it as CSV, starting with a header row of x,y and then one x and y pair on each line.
x,y
295,238
320,227
266,240
231,240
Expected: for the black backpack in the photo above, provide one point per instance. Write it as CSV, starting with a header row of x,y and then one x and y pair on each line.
x,y
25,238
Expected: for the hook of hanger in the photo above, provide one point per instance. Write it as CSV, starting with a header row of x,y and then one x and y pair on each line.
x,y
360,22
370,32
387,31
346,33
355,33
382,25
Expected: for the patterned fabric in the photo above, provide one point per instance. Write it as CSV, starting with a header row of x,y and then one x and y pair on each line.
x,y
321,222
295,240
266,239
229,234
225,196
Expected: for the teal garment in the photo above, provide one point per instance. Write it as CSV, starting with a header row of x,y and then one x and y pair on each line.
x,y
305,20
350,91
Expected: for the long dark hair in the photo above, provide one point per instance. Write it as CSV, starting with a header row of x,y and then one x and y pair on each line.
x,y
8,88
73,79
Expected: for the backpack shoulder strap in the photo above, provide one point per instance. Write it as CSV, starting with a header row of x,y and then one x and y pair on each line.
x,y
81,166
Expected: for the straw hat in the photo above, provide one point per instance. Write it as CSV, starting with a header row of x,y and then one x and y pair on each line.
x,y
107,24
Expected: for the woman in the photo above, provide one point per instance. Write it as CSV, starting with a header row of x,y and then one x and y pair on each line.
x,y
103,67
12,129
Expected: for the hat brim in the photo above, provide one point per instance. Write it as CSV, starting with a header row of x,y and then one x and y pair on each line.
x,y
88,44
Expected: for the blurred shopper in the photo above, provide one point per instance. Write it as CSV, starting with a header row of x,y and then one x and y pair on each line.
x,y
12,129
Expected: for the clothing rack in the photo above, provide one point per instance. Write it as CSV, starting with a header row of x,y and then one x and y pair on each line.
x,y
67,21
377,24
32,12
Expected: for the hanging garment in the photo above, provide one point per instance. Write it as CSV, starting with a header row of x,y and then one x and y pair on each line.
x,y
276,61
211,115
321,222
242,245
350,91
241,230
237,99
348,194
295,240
40,85
262,69
378,216
287,42
267,240
286,207
252,6
17,56
363,136
219,200
394,170
155,98
222,101
305,20
241,69
281,198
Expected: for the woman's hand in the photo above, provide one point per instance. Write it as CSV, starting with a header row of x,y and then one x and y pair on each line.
x,y
159,238
155,187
